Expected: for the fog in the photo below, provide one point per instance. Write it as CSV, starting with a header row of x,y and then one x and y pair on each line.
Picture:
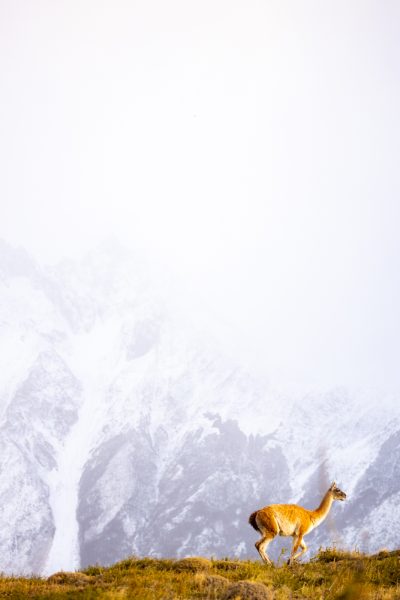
x,y
250,147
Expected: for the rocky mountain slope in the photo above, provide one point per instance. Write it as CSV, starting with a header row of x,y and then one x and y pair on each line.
x,y
126,430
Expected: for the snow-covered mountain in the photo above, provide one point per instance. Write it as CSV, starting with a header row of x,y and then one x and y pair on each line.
x,y
126,430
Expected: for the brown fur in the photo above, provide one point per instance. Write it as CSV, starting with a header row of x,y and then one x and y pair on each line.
x,y
291,520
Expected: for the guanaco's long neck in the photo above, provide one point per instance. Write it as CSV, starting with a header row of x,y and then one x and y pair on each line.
x,y
320,513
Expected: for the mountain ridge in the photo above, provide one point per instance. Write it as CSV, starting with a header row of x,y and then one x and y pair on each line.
x,y
144,437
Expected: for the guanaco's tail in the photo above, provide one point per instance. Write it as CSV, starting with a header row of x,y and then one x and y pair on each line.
x,y
252,520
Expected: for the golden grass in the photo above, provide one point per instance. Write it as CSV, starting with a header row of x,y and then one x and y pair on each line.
x,y
331,575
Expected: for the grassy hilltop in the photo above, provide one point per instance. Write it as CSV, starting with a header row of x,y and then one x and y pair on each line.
x,y
332,574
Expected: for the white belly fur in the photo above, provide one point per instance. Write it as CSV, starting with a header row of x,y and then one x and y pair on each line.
x,y
286,528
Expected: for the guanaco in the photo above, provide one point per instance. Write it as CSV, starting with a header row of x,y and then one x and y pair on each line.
x,y
291,520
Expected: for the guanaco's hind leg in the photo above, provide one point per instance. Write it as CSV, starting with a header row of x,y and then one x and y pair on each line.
x,y
268,527
261,546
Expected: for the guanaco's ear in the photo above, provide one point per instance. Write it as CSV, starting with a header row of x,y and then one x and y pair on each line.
x,y
333,485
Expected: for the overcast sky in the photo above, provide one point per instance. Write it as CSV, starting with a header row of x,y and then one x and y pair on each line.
x,y
252,145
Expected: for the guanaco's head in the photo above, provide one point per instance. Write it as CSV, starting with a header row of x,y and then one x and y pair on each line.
x,y
336,493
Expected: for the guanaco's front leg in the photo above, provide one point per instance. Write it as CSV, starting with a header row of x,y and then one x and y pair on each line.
x,y
303,549
297,541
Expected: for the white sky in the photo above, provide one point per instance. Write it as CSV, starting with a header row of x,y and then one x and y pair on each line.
x,y
253,145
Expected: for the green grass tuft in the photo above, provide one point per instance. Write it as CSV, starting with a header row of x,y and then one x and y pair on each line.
x,y
332,575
